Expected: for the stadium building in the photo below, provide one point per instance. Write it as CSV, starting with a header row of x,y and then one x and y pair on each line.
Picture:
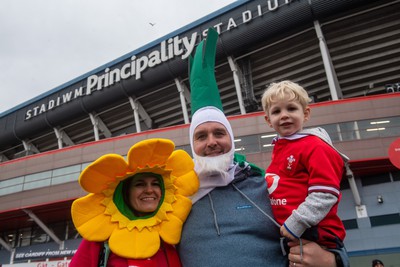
x,y
346,53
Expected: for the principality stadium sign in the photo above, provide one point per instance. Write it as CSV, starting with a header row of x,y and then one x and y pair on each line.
x,y
167,50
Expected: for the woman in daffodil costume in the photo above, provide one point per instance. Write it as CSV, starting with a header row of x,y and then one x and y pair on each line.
x,y
135,209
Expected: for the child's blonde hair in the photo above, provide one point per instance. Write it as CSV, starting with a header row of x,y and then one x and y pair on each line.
x,y
287,90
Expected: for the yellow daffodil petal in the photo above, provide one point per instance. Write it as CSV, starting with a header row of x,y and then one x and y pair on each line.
x,y
97,229
89,218
182,167
149,153
96,177
187,184
170,231
180,163
134,244
86,208
181,207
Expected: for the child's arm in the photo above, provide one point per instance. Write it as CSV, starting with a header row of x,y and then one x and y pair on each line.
x,y
309,213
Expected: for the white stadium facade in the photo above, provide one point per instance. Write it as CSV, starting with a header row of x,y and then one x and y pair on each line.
x,y
346,53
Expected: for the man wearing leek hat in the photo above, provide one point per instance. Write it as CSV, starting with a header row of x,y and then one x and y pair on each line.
x,y
230,223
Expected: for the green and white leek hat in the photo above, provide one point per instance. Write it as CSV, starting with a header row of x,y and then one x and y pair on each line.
x,y
205,97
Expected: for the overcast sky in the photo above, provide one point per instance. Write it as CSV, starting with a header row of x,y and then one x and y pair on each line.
x,y
46,43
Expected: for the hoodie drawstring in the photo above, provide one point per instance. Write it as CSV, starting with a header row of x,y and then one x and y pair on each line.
x,y
214,214
282,239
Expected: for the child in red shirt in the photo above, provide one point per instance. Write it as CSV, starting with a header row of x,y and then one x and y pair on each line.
x,y
305,172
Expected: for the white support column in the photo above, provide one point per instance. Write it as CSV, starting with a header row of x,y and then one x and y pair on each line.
x,y
103,127
135,108
361,210
59,138
62,137
44,228
26,145
95,124
29,147
181,91
333,82
235,71
353,185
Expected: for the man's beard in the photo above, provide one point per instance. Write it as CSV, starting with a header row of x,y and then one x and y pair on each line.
x,y
213,172
213,166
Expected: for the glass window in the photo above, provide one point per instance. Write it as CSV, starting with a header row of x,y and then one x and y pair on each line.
x,y
368,130
333,131
266,142
65,178
24,238
349,130
13,181
382,127
39,236
37,184
38,176
67,170
350,224
385,219
10,189
375,179
247,144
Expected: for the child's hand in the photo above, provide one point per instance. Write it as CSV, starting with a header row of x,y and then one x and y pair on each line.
x,y
286,234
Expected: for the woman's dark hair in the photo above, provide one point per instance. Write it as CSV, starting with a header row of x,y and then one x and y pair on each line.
x,y
126,184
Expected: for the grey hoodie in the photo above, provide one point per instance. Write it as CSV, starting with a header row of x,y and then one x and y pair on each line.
x,y
225,229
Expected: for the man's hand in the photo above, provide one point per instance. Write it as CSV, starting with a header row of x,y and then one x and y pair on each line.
x,y
313,255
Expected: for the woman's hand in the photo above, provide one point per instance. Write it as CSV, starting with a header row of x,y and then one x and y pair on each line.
x,y
313,255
